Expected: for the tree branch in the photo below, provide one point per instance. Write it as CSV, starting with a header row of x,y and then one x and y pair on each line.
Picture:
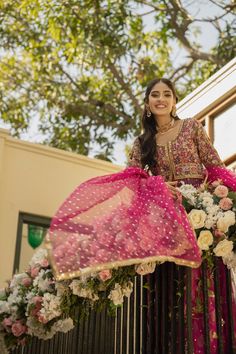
x,y
97,103
125,86
182,28
183,71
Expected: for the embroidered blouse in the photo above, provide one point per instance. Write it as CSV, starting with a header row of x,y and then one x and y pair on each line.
x,y
183,157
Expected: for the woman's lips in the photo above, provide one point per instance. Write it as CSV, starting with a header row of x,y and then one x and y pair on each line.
x,y
160,106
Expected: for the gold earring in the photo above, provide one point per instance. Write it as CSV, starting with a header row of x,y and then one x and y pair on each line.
x,y
173,112
148,112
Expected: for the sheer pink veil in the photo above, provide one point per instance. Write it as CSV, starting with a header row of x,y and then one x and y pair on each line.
x,y
116,220
227,177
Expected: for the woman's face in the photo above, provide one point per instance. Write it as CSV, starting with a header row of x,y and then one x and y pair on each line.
x,y
161,100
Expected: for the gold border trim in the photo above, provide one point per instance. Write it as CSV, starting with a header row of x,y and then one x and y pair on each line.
x,y
111,265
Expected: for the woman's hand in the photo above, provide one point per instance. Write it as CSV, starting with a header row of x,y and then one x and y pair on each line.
x,y
174,191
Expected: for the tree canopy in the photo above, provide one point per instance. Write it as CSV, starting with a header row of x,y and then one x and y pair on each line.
x,y
81,66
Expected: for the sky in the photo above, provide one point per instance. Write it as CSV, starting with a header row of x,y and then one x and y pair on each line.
x,y
207,37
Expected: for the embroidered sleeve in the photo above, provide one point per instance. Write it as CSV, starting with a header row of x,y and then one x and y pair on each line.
x,y
207,153
135,155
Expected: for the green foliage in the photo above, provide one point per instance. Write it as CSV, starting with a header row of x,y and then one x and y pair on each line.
x,y
82,66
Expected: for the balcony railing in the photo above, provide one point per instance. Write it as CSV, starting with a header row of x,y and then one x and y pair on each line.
x,y
157,319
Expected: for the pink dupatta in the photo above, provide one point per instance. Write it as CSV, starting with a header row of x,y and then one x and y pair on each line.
x,y
116,220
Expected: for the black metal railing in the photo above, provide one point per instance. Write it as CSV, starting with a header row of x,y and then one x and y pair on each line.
x,y
157,319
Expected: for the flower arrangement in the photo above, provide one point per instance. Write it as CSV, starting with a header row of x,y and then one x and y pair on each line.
x,y
212,213
35,304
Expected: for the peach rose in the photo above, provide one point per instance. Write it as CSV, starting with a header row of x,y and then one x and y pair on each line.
x,y
216,183
42,319
226,203
145,268
105,274
221,191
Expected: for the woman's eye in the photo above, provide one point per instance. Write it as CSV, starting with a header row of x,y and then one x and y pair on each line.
x,y
155,95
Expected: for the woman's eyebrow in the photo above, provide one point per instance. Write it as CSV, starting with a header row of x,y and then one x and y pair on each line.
x,y
160,91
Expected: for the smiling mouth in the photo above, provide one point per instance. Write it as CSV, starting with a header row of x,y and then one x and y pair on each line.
x,y
161,106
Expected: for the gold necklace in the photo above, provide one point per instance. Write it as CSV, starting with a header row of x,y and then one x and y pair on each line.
x,y
168,126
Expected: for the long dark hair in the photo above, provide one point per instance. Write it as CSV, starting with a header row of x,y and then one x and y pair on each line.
x,y
149,127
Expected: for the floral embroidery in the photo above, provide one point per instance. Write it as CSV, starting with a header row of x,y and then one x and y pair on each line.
x,y
183,157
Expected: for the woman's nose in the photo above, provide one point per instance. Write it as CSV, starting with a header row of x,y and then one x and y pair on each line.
x,y
161,96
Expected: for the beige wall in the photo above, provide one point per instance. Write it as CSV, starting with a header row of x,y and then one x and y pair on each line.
x,y
36,179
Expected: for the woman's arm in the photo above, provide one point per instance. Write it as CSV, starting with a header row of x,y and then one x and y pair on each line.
x,y
207,153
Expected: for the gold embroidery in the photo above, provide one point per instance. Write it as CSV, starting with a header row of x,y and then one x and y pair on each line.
x,y
171,162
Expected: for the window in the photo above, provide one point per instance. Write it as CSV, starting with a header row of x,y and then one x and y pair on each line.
x,y
224,130
30,234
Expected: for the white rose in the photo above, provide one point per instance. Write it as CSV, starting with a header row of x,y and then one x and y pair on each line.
x,y
38,257
223,248
226,220
205,240
230,260
116,295
197,218
4,307
145,268
230,216
64,325
78,288
128,289
17,279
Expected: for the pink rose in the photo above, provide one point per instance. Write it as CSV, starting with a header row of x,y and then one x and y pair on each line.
x,y
218,233
221,191
37,300
7,322
18,329
27,282
44,263
226,203
34,272
105,274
